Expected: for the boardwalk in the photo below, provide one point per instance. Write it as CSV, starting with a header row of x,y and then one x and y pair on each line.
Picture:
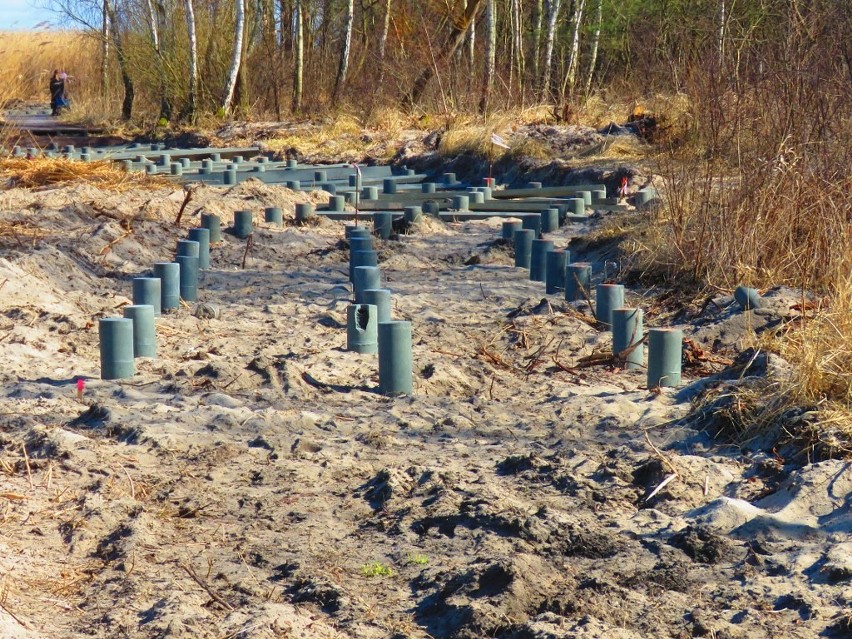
x,y
45,124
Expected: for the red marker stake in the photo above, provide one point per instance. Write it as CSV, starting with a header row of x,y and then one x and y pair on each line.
x,y
81,384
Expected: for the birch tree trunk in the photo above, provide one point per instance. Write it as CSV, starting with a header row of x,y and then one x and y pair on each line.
x,y
236,57
536,52
596,38
547,73
165,103
192,104
471,44
126,80
721,44
299,59
383,42
343,67
490,54
456,36
570,80
518,43
105,51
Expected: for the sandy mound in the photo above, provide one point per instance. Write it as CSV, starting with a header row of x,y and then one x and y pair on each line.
x,y
251,482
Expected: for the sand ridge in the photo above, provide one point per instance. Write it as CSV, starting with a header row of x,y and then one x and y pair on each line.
x,y
242,484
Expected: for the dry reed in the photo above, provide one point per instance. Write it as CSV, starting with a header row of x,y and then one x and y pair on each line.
x,y
41,172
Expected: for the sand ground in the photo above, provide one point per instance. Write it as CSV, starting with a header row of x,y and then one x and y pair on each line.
x,y
251,483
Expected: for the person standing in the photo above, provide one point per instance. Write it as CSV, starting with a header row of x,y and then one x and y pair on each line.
x,y
58,100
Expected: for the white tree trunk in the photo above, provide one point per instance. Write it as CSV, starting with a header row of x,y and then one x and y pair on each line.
x,y
193,60
552,15
105,35
471,43
536,52
518,41
299,62
236,57
596,38
574,52
155,31
722,18
383,42
490,53
343,68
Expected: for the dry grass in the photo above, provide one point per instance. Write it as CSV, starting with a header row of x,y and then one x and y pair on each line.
x,y
42,172
342,137
29,58
821,352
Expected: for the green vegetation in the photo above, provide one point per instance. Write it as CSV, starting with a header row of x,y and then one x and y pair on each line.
x,y
376,569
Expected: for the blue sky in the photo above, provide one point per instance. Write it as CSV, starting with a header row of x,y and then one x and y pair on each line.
x,y
22,14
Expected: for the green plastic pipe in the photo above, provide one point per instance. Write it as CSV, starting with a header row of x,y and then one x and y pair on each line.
x,y
523,240
627,337
243,224
509,228
169,275
413,214
202,236
532,222
273,215
381,299
188,247
365,277
665,351
188,277
144,334
116,348
549,221
747,298
361,258
557,261
212,223
578,281
147,290
383,224
538,259
304,211
461,203
395,358
607,298
362,328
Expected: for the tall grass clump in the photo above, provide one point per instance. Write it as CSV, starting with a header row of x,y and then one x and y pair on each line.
x,y
29,58
757,190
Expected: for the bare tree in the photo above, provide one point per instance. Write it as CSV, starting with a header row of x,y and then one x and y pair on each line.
x,y
383,41
454,40
236,57
105,51
345,50
593,57
517,44
120,54
574,50
552,7
299,61
192,103
490,54
536,48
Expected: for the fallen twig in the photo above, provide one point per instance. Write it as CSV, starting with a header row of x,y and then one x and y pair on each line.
x,y
213,594
662,485
249,244
189,192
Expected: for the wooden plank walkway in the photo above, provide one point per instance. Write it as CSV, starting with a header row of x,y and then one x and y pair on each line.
x,y
38,125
